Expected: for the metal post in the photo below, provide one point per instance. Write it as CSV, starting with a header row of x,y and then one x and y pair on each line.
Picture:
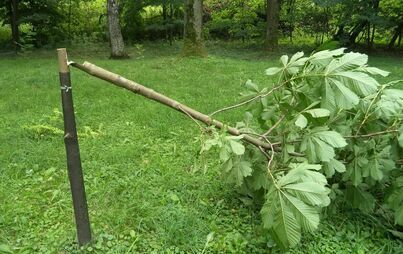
x,y
73,153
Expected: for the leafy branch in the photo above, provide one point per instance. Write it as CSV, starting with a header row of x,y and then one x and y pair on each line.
x,y
317,103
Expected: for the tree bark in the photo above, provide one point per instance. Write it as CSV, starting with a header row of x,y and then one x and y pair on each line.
x,y
74,167
115,34
193,28
396,34
273,12
15,32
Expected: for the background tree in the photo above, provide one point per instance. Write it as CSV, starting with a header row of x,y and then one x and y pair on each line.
x,y
193,28
115,34
352,23
10,15
152,19
14,24
391,13
273,9
233,20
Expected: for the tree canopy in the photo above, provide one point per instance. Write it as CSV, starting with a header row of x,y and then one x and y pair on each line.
x,y
346,22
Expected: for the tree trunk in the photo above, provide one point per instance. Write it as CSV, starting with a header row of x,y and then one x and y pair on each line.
x,y
15,33
193,27
115,34
373,35
171,19
396,34
272,11
357,29
69,24
165,100
290,15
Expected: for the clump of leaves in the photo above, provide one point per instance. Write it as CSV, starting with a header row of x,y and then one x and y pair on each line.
x,y
326,120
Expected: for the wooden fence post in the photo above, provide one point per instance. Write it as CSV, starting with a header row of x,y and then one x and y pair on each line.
x,y
73,153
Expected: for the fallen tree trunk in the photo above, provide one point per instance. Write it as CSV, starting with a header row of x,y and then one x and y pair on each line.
x,y
151,94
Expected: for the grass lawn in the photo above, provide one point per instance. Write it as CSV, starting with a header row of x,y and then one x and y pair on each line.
x,y
138,157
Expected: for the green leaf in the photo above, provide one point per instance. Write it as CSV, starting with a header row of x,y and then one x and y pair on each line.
x,y
296,61
284,59
5,249
360,82
323,151
395,200
356,170
328,98
308,186
347,62
324,57
399,216
228,165
332,138
311,192
270,208
304,166
328,53
375,170
376,71
286,230
319,145
272,71
332,166
301,121
318,112
251,86
390,105
259,179
343,97
237,147
296,56
307,215
396,233
208,144
293,204
239,171
360,199
400,139
225,153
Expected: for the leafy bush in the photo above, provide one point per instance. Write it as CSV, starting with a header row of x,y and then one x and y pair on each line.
x,y
236,19
330,133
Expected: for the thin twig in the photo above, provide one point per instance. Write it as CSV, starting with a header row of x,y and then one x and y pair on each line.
x,y
272,153
372,134
270,161
368,109
194,120
264,153
247,101
274,126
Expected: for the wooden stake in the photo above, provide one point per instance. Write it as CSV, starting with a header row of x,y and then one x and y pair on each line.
x,y
73,153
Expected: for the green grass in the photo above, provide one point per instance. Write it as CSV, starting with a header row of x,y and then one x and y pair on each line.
x,y
137,158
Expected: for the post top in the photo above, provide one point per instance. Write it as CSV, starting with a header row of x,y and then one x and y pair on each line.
x,y
62,58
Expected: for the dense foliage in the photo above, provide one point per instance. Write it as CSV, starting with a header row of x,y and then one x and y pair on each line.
x,y
335,135
347,21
